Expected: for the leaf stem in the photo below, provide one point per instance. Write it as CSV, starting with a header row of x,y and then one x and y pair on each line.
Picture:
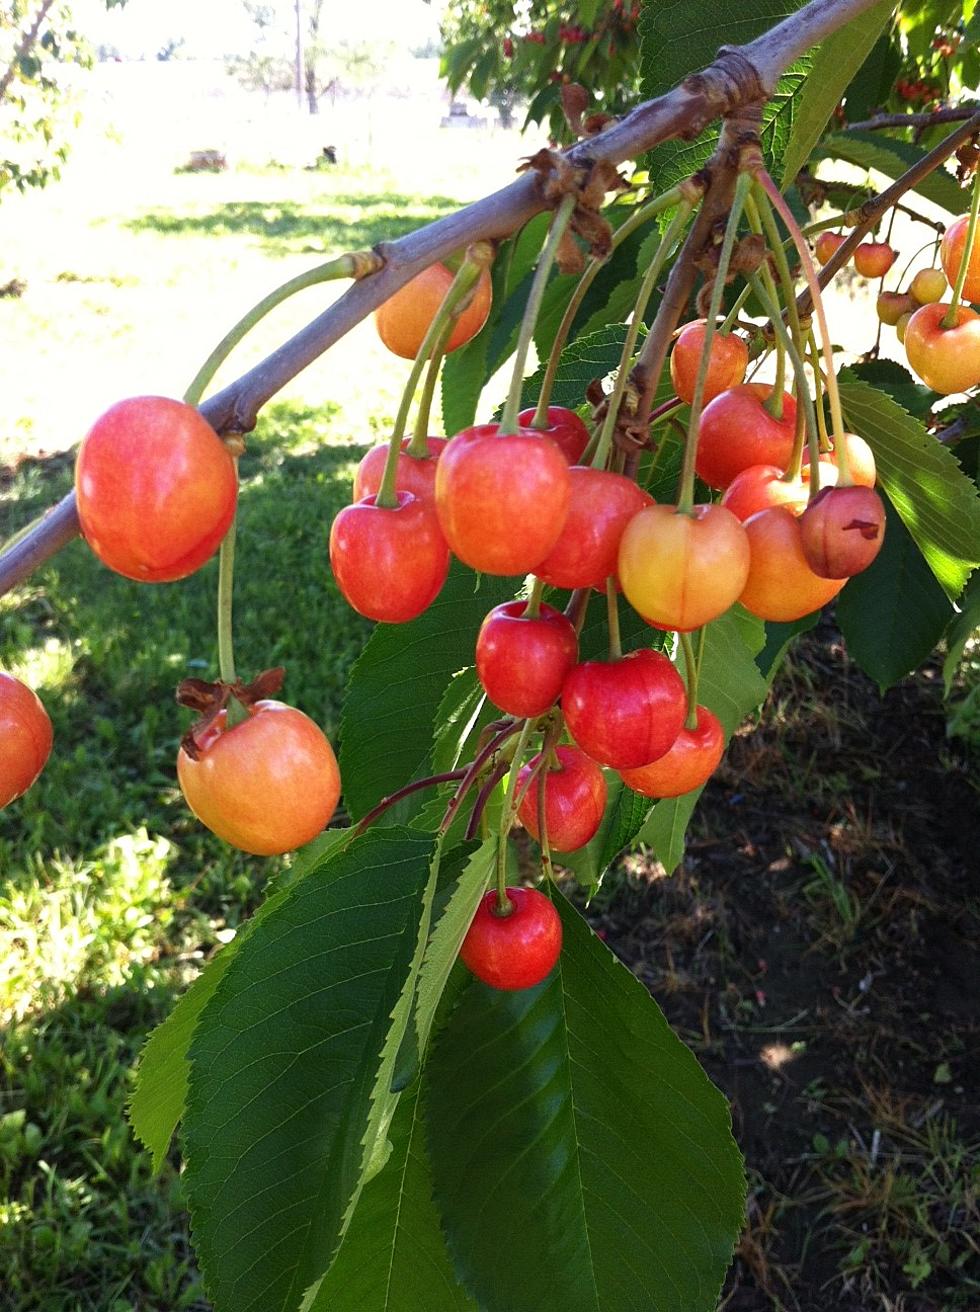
x,y
951,316
415,786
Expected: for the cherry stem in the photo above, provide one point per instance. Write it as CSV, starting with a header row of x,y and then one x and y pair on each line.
x,y
814,357
762,220
612,614
613,402
951,317
504,904
533,608
641,215
543,842
418,447
927,246
813,283
466,279
578,604
508,420
415,786
692,666
685,498
471,773
235,712
483,797
733,313
665,409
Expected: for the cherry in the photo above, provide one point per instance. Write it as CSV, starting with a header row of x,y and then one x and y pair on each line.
x,y
737,431
951,257
902,326
502,500
389,562
781,585
602,504
729,360
25,738
574,799
266,785
404,319
156,489
679,571
514,951
625,712
522,659
873,259
827,243
415,474
928,286
691,761
946,359
860,462
892,305
565,428
761,486
842,531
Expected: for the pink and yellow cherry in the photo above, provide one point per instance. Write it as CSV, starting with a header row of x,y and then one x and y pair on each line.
x,y
892,305
390,562
25,738
946,359
502,499
729,360
860,463
842,531
681,570
574,799
761,486
781,585
902,326
690,763
737,431
625,712
873,259
565,428
416,474
928,286
522,660
827,243
516,950
404,318
951,257
602,504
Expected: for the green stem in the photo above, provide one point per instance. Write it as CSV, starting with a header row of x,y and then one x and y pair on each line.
x,y
762,215
612,616
667,243
533,608
693,673
814,354
508,421
642,215
418,447
733,313
685,499
236,713
504,904
950,318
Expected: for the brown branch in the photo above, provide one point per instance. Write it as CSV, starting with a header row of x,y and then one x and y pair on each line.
x,y
927,119
872,210
814,192
26,41
740,75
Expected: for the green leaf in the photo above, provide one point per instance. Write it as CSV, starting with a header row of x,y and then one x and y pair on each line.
x,y
962,629
834,65
901,386
398,682
665,830
869,150
893,614
939,505
284,1063
875,79
394,1256
594,355
778,639
622,821
570,1124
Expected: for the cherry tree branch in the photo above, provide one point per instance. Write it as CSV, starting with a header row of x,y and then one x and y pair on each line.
x,y
739,76
23,46
927,119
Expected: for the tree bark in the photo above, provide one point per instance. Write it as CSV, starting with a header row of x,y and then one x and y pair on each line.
x,y
26,42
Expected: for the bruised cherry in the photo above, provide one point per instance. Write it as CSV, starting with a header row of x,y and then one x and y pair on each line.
x,y
781,585
691,761
625,712
946,359
873,259
827,243
574,799
842,531
951,257
681,570
729,360
517,950
502,499
565,428
390,562
522,659
737,431
404,318
602,504
25,738
415,474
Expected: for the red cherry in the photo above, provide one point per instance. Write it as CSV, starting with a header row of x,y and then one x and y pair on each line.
x,y
266,785
729,360
873,259
25,738
737,431
565,429
413,474
842,531
761,486
515,951
502,500
946,359
781,585
389,562
827,243
951,257
860,462
522,660
691,761
602,505
574,800
156,489
625,713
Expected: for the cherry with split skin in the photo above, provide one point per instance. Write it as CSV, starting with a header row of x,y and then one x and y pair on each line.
x,y
737,430
690,763
515,949
625,712
842,531
522,658
729,360
574,799
564,427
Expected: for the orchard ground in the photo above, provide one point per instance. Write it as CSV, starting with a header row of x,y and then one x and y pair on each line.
x,y
818,950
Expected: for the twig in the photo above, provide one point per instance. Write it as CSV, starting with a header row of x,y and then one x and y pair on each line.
x,y
923,120
24,45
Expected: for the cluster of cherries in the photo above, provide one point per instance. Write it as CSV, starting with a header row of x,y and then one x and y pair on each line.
x,y
945,356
